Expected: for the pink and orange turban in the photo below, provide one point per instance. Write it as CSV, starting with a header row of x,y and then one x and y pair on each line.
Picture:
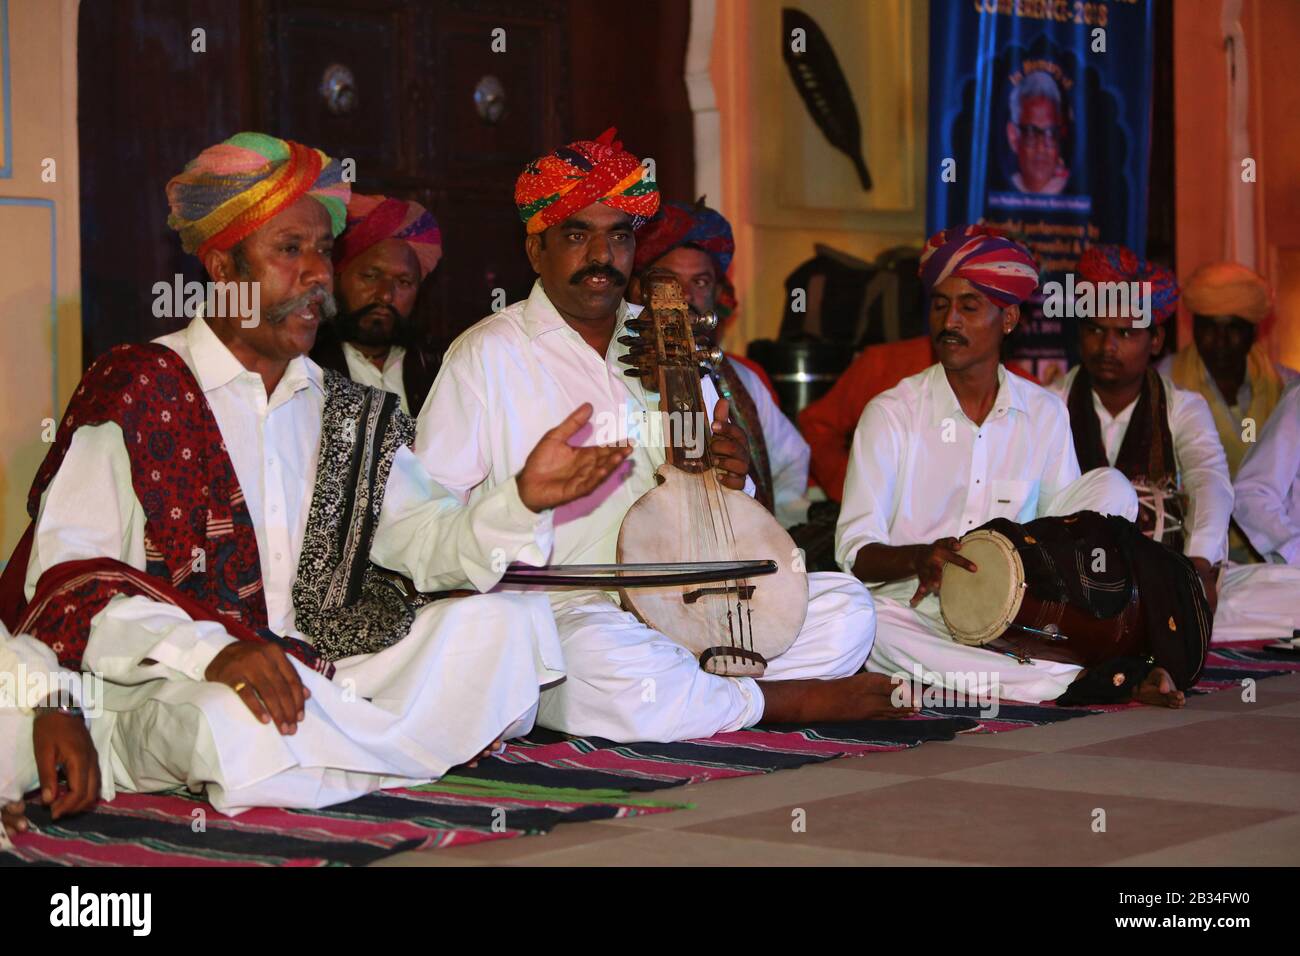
x,y
1120,264
372,219
554,187
680,224
229,190
996,265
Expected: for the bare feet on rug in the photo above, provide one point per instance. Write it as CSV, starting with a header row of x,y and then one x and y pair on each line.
x,y
1158,690
860,697
497,747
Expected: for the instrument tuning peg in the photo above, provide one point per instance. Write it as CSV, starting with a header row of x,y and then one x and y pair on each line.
x,y
711,356
630,340
708,322
637,325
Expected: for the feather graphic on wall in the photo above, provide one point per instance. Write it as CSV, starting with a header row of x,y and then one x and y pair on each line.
x,y
820,81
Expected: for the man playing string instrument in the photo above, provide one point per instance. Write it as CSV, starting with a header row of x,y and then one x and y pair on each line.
x,y
508,378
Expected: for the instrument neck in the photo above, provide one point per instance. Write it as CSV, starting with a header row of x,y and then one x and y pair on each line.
x,y
686,423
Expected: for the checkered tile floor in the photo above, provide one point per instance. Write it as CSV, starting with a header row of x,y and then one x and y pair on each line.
x,y
1217,783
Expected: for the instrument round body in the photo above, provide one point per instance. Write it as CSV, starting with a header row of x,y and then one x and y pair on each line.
x,y
668,524
1043,592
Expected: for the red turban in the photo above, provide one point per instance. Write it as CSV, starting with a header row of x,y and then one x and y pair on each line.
x,y
1119,264
554,187
372,219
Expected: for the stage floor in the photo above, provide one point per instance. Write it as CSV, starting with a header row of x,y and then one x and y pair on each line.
x,y
1217,783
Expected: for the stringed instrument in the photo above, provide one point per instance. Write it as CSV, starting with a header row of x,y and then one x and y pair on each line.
x,y
737,624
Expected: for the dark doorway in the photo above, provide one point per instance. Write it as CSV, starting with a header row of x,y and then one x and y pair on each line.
x,y
149,101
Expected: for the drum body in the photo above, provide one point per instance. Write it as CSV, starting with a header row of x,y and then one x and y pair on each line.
x,y
1061,590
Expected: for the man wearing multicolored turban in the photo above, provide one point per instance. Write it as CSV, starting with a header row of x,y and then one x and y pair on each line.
x,y
953,447
828,423
1225,362
509,378
218,510
387,250
1163,438
693,243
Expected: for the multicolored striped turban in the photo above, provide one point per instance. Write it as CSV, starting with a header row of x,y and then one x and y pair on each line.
x,y
372,219
997,266
680,224
1226,288
1120,264
554,187
229,190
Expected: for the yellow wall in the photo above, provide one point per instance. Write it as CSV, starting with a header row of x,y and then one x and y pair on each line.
x,y
784,187
40,322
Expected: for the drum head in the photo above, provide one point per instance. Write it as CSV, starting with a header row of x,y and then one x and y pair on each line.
x,y
979,606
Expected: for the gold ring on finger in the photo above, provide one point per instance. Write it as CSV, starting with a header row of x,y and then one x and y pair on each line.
x,y
240,686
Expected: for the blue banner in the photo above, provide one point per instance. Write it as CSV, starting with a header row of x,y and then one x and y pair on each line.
x,y
1040,124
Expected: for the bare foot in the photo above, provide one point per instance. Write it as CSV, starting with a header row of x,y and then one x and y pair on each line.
x,y
1158,690
860,697
497,747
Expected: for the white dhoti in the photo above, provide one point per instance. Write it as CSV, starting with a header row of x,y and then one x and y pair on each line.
x,y
1257,601
468,673
628,682
911,640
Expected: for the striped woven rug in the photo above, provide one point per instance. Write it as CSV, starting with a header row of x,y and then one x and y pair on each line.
x,y
539,782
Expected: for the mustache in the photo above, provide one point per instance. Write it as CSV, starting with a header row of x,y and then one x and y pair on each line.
x,y
961,339
316,295
609,272
356,315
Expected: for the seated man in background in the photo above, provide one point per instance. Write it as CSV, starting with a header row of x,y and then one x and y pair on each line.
x,y
694,243
206,521
388,248
502,384
1226,363
1126,415
1268,485
947,450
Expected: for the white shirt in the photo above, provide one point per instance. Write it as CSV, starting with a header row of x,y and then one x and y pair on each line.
x,y
1198,456
920,470
91,510
389,379
1268,483
512,377
787,452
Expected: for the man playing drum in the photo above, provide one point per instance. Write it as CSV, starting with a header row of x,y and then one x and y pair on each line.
x,y
949,449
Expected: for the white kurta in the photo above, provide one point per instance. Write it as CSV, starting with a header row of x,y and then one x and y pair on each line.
x,y
503,384
469,670
787,452
1256,601
388,379
1268,484
920,470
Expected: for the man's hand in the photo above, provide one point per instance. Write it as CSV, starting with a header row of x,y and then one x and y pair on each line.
x,y
264,679
557,473
730,448
929,566
1210,578
62,740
